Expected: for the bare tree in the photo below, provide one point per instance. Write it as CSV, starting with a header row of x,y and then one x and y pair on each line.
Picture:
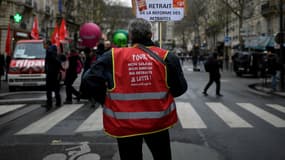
x,y
191,22
237,7
116,17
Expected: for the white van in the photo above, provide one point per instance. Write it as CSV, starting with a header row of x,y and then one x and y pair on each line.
x,y
27,65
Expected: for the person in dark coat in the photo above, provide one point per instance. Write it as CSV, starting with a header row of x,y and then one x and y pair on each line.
x,y
90,57
272,67
100,49
195,56
52,70
7,67
214,74
71,75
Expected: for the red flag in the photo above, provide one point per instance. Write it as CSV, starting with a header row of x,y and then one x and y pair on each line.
x,y
63,31
55,36
8,42
35,29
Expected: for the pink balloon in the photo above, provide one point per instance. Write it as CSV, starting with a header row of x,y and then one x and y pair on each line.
x,y
90,33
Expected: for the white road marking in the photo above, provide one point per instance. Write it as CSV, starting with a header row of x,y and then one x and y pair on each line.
x,y
277,107
228,116
44,124
8,108
188,117
266,116
93,123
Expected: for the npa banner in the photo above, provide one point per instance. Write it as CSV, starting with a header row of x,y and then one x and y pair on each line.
x,y
159,10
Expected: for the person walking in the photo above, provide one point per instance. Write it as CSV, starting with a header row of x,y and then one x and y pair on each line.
x,y
139,103
195,57
52,70
213,66
71,75
272,68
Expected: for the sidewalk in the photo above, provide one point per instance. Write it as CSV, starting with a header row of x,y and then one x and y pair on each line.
x,y
266,89
4,86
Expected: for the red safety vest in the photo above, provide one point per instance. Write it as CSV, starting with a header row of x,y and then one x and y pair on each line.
x,y
140,101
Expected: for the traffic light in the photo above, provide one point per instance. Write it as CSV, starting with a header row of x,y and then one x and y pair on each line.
x,y
17,18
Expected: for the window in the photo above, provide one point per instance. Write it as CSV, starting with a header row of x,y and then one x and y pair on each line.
x,y
29,51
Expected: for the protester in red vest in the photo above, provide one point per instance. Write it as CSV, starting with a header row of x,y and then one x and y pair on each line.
x,y
139,103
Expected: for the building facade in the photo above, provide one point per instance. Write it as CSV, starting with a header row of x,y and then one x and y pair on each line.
x,y
45,11
109,16
259,18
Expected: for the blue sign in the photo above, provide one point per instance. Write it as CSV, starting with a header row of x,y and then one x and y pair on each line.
x,y
227,40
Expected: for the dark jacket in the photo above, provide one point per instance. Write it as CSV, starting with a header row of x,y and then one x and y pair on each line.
x,y
272,64
72,67
52,63
2,64
101,72
214,67
71,72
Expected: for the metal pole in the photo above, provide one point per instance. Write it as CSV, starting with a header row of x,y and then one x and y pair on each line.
x,y
160,34
281,45
226,56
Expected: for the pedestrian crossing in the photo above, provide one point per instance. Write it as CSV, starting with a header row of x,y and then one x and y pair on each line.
x,y
46,123
93,123
4,109
189,117
266,116
228,116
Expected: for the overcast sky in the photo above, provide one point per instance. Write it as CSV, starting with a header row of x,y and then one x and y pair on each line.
x,y
126,2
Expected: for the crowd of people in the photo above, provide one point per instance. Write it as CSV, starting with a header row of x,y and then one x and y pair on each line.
x,y
67,67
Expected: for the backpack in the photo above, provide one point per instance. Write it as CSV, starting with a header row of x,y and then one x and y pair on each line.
x,y
79,66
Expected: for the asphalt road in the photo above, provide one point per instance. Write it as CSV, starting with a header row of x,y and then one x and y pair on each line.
x,y
241,125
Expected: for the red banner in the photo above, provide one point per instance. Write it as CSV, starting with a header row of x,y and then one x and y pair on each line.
x,y
35,29
55,36
63,33
8,42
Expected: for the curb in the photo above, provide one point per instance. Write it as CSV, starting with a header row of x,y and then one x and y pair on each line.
x,y
264,91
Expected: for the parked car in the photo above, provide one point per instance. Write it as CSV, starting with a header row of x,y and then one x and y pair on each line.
x,y
250,58
245,62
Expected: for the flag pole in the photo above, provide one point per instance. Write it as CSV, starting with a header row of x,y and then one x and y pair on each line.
x,y
160,34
